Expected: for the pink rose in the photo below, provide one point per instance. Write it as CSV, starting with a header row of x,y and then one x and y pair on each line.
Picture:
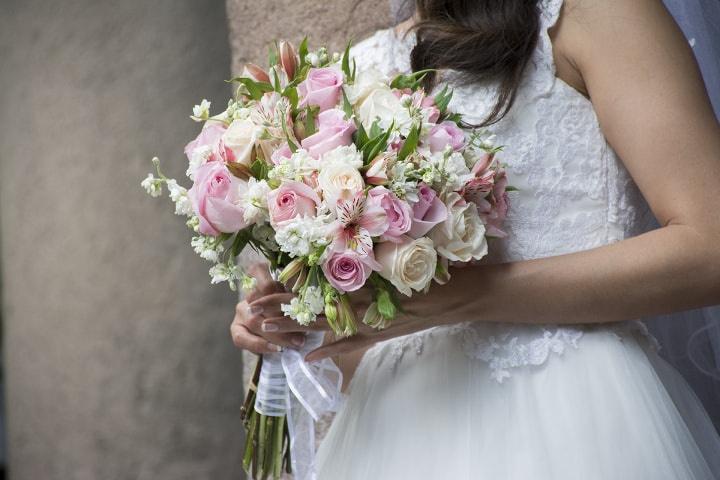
x,y
290,200
444,134
209,137
333,131
398,212
348,270
428,103
321,88
215,198
428,211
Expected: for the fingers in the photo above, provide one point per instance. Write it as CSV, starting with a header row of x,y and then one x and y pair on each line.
x,y
265,284
269,305
243,338
286,324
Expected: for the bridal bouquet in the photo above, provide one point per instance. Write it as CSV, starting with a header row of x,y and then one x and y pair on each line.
x,y
343,179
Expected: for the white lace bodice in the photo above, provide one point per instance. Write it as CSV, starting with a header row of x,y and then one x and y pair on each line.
x,y
573,192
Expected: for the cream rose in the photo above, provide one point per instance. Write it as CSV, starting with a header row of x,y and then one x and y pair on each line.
x,y
366,81
409,264
339,180
239,140
461,237
382,105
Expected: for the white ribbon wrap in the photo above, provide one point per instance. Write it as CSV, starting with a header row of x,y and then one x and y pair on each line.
x,y
304,392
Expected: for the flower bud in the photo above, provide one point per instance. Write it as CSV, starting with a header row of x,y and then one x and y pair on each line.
x,y
331,314
256,73
373,318
288,59
346,316
385,306
292,269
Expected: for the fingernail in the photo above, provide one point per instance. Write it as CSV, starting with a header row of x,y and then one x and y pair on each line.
x,y
269,327
272,346
255,309
298,341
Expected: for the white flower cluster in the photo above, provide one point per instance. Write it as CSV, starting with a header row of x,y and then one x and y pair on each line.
x,y
301,235
448,170
299,165
201,112
227,272
306,307
254,200
152,185
179,196
209,248
198,158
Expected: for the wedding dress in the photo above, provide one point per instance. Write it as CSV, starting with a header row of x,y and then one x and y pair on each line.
x,y
515,402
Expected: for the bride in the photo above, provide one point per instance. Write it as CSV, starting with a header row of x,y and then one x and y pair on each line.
x,y
531,364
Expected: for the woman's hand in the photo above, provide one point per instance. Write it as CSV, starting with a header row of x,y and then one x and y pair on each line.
x,y
259,324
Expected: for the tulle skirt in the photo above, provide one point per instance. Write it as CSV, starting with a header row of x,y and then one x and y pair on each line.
x,y
610,409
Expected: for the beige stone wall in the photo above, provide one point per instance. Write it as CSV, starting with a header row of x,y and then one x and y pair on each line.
x,y
254,24
117,356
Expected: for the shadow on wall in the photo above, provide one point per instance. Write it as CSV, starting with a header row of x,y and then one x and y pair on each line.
x,y
118,361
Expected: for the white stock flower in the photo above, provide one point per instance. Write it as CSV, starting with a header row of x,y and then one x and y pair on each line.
x,y
209,248
198,158
314,299
202,111
344,154
450,170
254,201
300,235
299,165
180,197
224,272
461,237
152,185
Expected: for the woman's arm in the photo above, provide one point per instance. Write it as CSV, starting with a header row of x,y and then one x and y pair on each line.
x,y
641,76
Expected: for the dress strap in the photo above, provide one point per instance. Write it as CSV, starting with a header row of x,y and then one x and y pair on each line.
x,y
543,59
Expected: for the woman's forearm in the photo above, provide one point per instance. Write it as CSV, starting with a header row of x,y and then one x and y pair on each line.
x,y
669,269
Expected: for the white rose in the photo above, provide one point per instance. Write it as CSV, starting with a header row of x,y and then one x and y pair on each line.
x,y
241,137
461,237
339,180
366,81
408,265
382,105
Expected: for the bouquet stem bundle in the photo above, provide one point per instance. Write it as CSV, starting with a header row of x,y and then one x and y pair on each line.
x,y
267,441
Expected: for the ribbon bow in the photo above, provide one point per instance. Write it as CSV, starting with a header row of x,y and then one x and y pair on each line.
x,y
288,385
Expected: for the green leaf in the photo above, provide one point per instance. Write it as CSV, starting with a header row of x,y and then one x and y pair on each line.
x,y
347,107
376,145
411,80
241,240
442,99
273,55
260,169
454,117
361,136
510,188
276,78
292,95
410,143
375,129
255,89
311,113
346,62
303,50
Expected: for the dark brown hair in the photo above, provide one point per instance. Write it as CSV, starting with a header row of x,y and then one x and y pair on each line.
x,y
483,40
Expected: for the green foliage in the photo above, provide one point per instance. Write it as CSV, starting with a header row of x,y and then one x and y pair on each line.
x,y
241,240
255,89
349,74
442,99
413,81
376,144
260,169
411,142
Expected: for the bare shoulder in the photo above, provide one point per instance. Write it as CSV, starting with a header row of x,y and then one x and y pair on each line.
x,y
628,30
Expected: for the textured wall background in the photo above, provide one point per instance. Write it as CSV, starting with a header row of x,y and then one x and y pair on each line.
x,y
118,359
255,24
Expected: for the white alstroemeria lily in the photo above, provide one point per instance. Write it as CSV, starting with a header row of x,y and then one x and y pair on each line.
x,y
357,222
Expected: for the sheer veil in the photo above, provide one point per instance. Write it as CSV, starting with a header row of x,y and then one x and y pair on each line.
x,y
690,340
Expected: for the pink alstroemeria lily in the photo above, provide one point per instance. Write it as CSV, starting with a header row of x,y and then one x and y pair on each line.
x,y
359,221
